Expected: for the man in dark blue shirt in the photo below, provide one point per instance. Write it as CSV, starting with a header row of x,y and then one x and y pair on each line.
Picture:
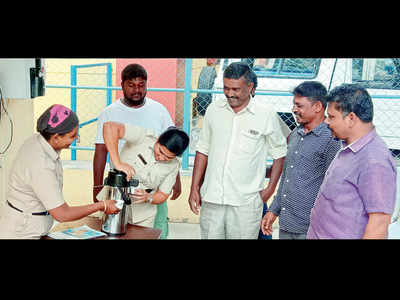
x,y
311,149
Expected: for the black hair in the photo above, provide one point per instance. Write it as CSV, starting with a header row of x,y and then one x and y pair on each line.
x,y
175,140
133,71
353,98
253,77
313,91
237,70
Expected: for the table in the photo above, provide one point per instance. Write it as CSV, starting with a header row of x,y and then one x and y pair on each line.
x,y
133,232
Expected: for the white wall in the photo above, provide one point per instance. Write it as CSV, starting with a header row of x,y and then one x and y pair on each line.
x,y
21,112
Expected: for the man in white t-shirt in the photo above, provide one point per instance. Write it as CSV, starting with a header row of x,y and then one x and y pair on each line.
x,y
137,109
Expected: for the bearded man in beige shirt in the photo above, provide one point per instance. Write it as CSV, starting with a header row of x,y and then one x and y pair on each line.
x,y
229,171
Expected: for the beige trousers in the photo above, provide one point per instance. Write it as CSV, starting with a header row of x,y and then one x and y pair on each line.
x,y
231,222
18,225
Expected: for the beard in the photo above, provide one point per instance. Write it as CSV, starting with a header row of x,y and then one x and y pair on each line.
x,y
131,102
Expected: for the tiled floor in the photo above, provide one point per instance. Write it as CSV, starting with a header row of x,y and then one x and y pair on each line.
x,y
183,231
192,231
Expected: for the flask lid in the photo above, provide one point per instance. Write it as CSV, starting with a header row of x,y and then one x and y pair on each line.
x,y
116,178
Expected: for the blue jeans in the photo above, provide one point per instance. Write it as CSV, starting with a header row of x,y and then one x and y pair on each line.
x,y
262,236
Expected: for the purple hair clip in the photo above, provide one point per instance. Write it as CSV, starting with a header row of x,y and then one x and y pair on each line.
x,y
58,114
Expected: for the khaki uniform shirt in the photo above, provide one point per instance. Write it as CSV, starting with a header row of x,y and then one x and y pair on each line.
x,y
35,185
152,174
237,146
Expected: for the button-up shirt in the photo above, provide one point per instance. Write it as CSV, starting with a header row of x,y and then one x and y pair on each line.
x,y
361,180
309,156
36,177
35,185
138,151
237,146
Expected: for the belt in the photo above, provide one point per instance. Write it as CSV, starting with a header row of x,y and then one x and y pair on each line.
x,y
44,213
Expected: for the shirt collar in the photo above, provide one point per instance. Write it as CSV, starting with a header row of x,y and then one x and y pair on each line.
x,y
362,141
317,130
54,155
250,106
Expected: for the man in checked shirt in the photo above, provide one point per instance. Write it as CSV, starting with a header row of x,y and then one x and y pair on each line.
x,y
311,149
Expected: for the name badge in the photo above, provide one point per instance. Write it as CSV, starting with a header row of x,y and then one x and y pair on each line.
x,y
253,132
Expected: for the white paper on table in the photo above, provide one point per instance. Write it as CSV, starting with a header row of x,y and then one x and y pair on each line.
x,y
81,233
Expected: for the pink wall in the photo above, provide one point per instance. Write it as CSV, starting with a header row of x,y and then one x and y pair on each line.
x,y
161,73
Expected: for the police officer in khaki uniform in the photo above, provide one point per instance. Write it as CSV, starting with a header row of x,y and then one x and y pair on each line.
x,y
35,196
150,159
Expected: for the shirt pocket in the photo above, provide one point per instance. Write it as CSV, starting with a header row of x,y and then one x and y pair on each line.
x,y
311,164
248,142
134,160
157,174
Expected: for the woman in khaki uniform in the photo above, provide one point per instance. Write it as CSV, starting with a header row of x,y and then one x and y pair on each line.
x,y
150,159
35,196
